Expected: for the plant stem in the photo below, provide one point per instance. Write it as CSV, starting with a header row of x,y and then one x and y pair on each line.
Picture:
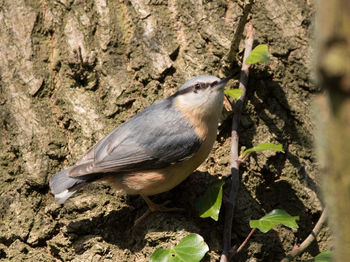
x,y
297,250
241,160
245,241
230,204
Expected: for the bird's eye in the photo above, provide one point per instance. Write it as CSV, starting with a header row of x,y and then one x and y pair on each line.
x,y
197,86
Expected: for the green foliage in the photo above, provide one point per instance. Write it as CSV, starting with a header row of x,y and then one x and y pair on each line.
x,y
263,147
274,218
258,54
325,256
209,204
234,93
192,248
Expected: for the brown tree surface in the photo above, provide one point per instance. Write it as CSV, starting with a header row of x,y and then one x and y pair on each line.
x,y
333,142
72,70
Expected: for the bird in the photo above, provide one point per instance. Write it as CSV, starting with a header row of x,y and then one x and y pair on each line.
x,y
155,150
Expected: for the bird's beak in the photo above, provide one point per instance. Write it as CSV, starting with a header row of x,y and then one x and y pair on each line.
x,y
221,84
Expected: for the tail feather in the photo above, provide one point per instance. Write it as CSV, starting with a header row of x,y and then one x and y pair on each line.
x,y
64,186
63,196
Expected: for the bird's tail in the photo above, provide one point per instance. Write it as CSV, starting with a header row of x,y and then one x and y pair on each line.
x,y
64,186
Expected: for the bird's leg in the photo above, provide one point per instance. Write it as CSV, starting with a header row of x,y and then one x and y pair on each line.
x,y
155,207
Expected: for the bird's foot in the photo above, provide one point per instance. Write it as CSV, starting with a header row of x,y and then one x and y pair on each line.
x,y
162,207
154,208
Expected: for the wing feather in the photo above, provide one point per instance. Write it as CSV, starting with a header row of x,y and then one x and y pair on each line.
x,y
154,138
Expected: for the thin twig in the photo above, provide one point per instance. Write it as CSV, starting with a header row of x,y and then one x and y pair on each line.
x,y
246,240
297,250
241,160
229,60
229,207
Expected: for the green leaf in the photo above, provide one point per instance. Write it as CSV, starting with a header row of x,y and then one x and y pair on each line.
x,y
209,204
258,54
192,248
274,218
234,93
326,256
263,147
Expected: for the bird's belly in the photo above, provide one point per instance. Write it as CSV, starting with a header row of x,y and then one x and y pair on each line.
x,y
161,180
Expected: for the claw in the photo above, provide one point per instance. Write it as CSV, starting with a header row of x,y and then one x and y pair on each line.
x,y
154,208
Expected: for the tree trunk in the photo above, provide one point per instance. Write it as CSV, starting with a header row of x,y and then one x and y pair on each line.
x,y
334,76
73,70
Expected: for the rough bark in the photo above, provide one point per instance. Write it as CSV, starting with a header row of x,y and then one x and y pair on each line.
x,y
72,70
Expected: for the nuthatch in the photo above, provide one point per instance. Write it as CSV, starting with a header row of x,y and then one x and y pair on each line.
x,y
155,150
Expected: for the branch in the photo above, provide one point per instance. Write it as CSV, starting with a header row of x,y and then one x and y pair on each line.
x,y
228,63
245,241
229,207
297,250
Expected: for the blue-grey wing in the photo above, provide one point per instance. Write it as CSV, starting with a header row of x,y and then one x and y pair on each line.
x,y
154,138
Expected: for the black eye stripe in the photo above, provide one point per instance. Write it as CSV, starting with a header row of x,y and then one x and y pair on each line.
x,y
198,86
194,88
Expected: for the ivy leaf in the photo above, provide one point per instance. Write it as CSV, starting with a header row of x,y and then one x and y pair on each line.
x,y
263,147
209,204
326,256
274,218
192,248
234,93
258,54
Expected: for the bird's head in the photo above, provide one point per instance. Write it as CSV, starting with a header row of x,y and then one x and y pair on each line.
x,y
202,95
